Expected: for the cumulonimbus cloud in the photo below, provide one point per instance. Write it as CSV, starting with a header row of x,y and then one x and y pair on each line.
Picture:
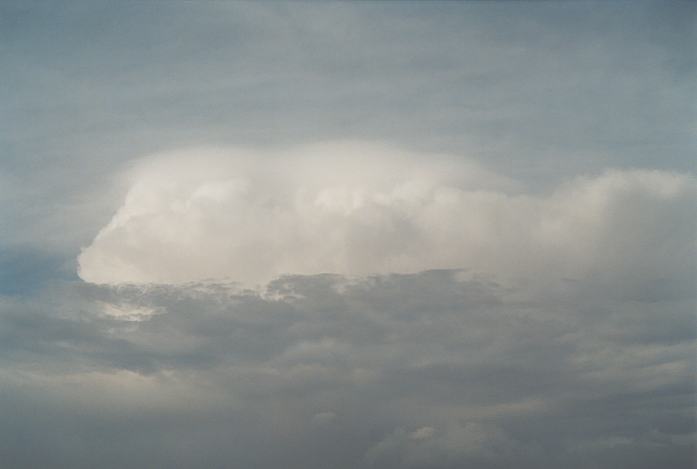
x,y
358,209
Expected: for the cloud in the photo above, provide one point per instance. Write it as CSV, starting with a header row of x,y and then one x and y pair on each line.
x,y
425,447
323,418
359,209
355,305
437,369
558,328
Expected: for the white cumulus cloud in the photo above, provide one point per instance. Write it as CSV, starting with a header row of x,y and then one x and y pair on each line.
x,y
251,215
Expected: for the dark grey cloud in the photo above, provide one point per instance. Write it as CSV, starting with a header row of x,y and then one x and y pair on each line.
x,y
437,369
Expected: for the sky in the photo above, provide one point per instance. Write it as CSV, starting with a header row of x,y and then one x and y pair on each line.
x,y
348,234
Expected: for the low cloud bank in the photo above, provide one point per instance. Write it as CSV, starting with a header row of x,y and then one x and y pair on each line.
x,y
435,370
360,209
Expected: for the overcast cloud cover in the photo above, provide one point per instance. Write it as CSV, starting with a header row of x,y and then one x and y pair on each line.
x,y
348,235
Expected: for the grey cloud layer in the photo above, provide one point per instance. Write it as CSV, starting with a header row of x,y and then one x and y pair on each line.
x,y
440,369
